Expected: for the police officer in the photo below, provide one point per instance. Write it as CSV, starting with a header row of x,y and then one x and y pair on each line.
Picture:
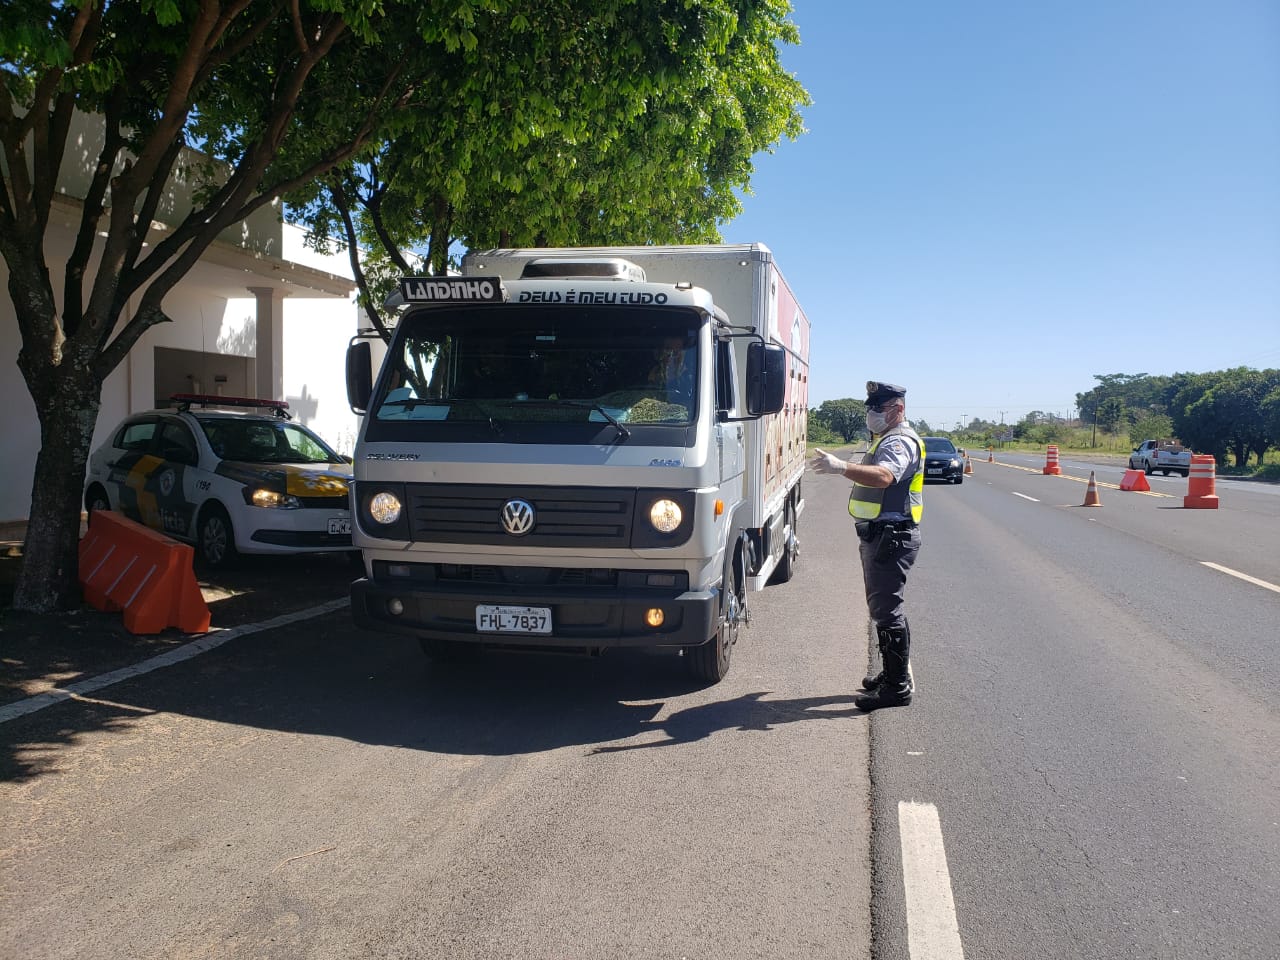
x,y
886,504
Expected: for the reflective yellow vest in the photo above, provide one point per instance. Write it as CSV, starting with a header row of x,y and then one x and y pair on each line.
x,y
905,497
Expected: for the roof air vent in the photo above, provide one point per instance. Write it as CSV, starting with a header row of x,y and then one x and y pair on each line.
x,y
596,268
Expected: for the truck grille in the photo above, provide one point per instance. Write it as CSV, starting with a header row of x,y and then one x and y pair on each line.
x,y
564,516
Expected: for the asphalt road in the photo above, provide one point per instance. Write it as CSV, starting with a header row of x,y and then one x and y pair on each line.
x,y
1096,724
315,791
1088,769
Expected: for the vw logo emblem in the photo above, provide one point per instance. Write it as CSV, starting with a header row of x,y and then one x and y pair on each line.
x,y
517,517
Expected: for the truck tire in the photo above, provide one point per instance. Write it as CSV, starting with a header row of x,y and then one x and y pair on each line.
x,y
786,568
709,662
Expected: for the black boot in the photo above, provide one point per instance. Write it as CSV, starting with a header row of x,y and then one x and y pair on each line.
x,y
896,688
872,680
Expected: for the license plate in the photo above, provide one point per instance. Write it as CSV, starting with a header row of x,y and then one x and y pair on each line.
x,y
492,619
934,470
339,525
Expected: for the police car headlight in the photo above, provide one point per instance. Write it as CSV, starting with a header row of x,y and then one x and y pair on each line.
x,y
665,515
385,507
275,499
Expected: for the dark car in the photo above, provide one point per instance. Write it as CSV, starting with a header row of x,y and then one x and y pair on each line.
x,y
942,461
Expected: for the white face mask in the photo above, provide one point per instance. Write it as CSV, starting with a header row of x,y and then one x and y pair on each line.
x,y
877,423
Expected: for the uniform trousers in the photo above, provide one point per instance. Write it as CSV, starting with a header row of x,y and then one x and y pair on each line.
x,y
884,573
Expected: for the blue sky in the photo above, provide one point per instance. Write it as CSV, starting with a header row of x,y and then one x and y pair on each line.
x,y
997,200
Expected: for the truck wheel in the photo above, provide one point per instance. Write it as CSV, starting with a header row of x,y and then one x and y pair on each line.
x,y
215,540
710,661
786,568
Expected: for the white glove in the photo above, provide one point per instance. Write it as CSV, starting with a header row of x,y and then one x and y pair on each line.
x,y
824,462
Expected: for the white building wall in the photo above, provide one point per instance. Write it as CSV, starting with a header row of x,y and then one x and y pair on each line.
x,y
206,319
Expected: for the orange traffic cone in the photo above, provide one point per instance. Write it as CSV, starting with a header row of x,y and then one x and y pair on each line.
x,y
991,456
1200,483
1051,466
1091,494
968,466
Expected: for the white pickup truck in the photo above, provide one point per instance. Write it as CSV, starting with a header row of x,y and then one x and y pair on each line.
x,y
1166,456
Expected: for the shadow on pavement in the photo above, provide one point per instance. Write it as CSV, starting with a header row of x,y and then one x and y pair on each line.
x,y
324,677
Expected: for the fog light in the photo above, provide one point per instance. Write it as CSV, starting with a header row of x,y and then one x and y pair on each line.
x,y
395,607
654,617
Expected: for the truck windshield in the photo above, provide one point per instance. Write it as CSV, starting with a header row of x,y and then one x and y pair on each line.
x,y
501,365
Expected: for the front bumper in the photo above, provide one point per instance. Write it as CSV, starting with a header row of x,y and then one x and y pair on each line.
x,y
945,472
580,617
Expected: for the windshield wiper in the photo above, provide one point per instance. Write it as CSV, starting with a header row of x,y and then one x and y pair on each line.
x,y
410,402
623,432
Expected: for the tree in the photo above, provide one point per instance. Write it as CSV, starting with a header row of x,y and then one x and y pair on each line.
x,y
846,417
278,96
650,144
1150,426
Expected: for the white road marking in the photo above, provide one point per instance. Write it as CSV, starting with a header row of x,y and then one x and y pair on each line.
x,y
932,930
209,641
1024,496
1243,576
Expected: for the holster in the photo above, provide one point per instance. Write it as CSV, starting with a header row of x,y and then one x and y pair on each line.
x,y
885,544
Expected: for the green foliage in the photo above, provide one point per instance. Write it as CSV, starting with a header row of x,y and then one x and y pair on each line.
x,y
845,418
552,133
818,432
1223,413
1151,426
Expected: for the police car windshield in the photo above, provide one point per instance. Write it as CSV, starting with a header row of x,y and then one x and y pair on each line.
x,y
265,441
544,364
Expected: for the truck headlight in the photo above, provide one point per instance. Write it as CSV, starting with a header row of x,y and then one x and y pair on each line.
x,y
385,508
665,515
274,499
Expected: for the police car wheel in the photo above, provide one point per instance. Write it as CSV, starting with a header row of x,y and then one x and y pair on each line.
x,y
96,500
215,541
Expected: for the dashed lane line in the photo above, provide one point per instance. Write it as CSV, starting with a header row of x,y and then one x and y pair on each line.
x,y
932,930
209,641
1243,576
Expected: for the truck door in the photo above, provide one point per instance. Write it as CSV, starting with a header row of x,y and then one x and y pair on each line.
x,y
730,437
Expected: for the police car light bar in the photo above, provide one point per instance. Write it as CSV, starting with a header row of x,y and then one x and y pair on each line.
x,y
185,400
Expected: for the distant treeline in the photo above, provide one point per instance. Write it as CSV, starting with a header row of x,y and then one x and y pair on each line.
x,y
1233,411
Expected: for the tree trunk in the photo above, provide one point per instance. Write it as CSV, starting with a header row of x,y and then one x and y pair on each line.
x,y
67,406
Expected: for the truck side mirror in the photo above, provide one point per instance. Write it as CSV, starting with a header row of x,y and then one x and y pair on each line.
x,y
766,378
359,376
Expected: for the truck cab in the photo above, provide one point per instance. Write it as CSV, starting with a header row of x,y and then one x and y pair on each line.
x,y
569,458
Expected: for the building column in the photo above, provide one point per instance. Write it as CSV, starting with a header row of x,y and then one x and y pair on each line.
x,y
269,354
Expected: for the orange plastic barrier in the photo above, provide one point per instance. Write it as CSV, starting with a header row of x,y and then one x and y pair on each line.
x,y
1051,461
1200,483
1134,480
1091,498
125,566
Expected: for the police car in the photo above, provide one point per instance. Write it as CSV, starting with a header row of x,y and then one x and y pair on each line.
x,y
228,474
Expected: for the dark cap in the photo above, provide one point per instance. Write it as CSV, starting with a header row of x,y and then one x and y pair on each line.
x,y
878,392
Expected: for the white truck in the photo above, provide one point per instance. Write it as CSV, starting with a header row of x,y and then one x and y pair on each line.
x,y
580,449
1166,456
